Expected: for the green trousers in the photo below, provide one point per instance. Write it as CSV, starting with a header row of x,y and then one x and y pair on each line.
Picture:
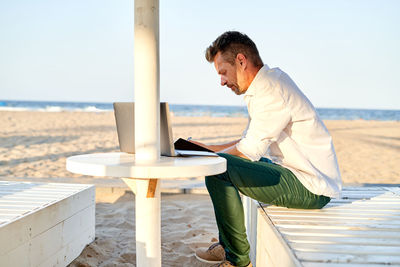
x,y
263,181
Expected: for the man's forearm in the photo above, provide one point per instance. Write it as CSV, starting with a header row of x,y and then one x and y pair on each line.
x,y
217,148
228,148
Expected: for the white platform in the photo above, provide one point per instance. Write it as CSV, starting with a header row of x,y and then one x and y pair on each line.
x,y
360,229
45,224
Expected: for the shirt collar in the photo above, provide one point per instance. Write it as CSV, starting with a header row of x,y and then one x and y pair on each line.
x,y
257,79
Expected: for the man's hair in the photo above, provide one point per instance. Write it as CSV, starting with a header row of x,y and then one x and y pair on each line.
x,y
230,44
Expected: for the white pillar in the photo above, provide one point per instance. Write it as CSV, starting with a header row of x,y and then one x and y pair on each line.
x,y
147,80
147,129
148,225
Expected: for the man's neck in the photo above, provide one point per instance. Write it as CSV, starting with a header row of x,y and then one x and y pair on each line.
x,y
252,73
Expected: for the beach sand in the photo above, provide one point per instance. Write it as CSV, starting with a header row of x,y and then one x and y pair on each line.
x,y
187,222
34,146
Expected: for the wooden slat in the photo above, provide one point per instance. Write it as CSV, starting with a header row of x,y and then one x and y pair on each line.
x,y
339,233
363,188
366,201
343,226
349,258
329,264
352,240
20,204
6,218
330,207
346,249
19,201
334,213
48,188
16,208
38,193
42,188
351,223
359,196
29,198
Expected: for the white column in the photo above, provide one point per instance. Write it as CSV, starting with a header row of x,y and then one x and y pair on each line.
x,y
148,226
147,80
147,129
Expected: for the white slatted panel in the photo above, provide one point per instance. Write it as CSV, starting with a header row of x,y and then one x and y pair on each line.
x,y
44,224
360,229
21,199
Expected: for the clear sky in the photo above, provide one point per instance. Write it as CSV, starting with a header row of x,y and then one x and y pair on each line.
x,y
342,53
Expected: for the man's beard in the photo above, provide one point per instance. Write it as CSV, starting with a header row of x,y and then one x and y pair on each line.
x,y
236,90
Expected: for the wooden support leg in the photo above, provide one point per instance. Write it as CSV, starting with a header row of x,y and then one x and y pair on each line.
x,y
151,190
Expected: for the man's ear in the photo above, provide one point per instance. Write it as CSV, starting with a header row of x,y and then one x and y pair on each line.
x,y
241,60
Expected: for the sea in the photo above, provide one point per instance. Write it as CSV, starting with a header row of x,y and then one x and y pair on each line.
x,y
198,110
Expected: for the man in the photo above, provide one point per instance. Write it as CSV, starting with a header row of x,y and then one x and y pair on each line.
x,y
285,156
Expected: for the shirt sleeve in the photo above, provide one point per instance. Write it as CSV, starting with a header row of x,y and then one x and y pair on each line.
x,y
247,128
269,117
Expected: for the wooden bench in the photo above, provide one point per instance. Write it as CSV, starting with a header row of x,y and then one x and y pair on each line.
x,y
45,224
360,229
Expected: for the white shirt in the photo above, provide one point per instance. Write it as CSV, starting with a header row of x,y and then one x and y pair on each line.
x,y
284,127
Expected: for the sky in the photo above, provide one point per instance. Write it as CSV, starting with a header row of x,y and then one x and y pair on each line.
x,y
341,54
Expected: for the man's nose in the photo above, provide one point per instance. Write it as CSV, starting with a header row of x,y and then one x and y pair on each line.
x,y
223,81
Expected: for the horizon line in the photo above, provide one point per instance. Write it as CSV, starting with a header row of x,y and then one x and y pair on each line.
x,y
192,104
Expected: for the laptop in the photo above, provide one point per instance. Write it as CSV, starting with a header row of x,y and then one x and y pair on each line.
x,y
125,120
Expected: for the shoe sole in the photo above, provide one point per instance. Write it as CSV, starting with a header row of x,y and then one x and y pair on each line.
x,y
206,261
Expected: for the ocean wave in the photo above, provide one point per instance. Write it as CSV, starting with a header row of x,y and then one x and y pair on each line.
x,y
14,109
51,109
94,109
55,109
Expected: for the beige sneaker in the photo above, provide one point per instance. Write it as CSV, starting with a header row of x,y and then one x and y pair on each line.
x,y
214,254
229,264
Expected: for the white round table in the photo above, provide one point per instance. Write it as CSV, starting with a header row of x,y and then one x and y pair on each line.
x,y
142,177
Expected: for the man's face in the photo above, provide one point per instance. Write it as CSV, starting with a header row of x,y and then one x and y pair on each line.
x,y
231,75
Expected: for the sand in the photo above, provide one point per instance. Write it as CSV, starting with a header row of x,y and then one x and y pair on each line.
x,y
187,223
34,146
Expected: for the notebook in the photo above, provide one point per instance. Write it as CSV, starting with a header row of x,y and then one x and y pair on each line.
x,y
125,120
